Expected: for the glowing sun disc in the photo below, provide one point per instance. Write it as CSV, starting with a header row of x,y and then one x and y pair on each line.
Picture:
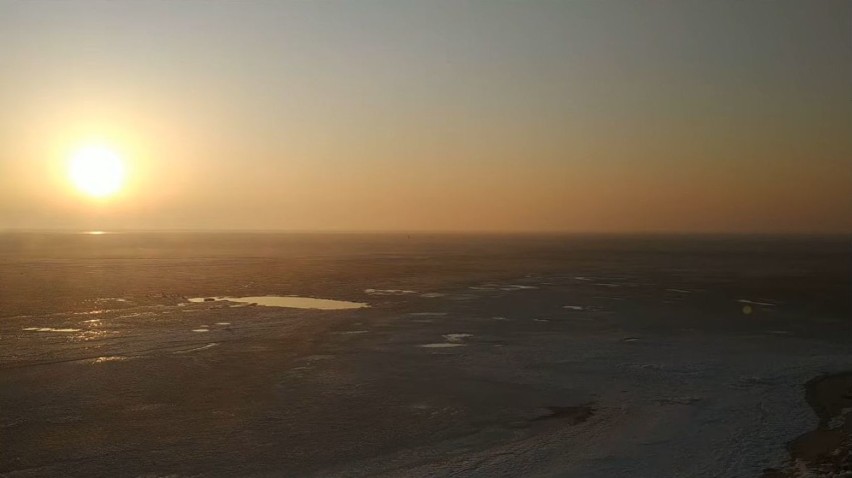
x,y
96,171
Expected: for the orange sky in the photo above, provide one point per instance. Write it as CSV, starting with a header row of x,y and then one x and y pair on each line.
x,y
484,116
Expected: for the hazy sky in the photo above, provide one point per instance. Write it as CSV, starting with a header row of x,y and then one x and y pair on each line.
x,y
595,115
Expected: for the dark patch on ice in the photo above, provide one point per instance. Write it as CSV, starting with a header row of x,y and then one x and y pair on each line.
x,y
573,415
678,400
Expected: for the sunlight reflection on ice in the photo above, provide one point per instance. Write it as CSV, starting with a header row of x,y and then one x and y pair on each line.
x,y
49,329
289,301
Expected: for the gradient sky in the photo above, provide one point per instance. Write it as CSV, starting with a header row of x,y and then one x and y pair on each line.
x,y
598,116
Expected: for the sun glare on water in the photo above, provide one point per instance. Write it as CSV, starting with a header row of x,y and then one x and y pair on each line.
x,y
97,171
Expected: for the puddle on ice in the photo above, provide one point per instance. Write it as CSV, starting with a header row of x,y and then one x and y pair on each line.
x,y
289,301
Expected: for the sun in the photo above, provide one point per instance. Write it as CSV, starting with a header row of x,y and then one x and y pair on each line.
x,y
96,171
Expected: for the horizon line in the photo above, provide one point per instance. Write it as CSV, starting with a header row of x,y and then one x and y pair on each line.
x,y
493,232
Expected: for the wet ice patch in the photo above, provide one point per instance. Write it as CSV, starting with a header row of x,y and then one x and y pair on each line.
x,y
318,357
50,329
752,302
111,299
456,338
462,297
512,287
678,400
485,287
504,287
388,291
452,340
136,315
197,349
110,358
780,332
293,302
